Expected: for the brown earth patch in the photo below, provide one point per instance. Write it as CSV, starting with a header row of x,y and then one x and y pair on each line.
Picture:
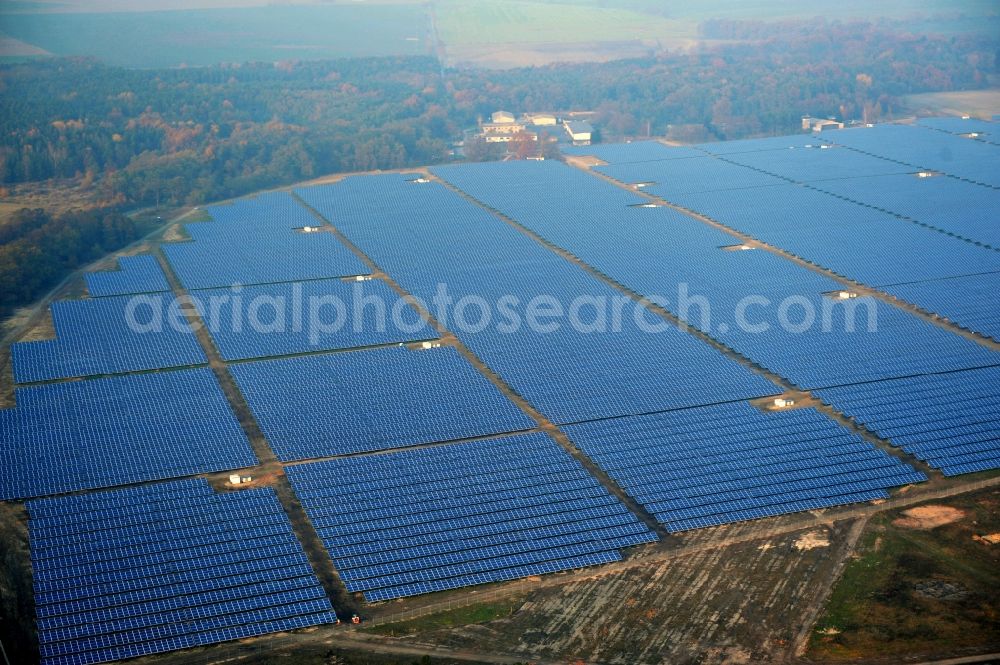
x,y
928,517
812,540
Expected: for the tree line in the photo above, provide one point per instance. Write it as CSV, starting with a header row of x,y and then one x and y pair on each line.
x,y
37,250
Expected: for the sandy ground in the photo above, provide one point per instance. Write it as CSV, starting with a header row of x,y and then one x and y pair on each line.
x,y
812,540
15,47
928,517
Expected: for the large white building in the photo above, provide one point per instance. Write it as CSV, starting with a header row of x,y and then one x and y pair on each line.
x,y
579,131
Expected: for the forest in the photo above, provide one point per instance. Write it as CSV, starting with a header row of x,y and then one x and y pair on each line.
x,y
174,137
37,250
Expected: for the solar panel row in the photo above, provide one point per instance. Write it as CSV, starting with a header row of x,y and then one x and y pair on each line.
x,y
639,151
301,317
971,302
259,241
135,274
324,405
984,130
115,431
949,204
767,308
763,144
434,242
682,176
925,149
720,464
451,516
819,163
951,421
118,575
862,244
111,335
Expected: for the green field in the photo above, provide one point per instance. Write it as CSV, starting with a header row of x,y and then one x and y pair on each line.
x,y
978,103
204,37
786,9
485,32
461,22
918,590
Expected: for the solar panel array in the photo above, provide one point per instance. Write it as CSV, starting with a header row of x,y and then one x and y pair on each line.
x,y
424,235
858,247
681,176
954,206
972,302
439,518
714,465
105,432
111,335
135,274
259,241
951,421
639,151
300,317
859,243
756,145
660,252
173,565
987,131
818,163
925,149
344,403
151,569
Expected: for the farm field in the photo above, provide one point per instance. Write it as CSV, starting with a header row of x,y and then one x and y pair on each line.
x,y
538,32
208,36
982,104
461,23
510,34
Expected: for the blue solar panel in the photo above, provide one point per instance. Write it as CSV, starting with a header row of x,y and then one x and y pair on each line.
x,y
135,274
386,398
638,151
862,244
200,595
425,236
108,336
818,163
984,130
764,144
460,514
925,149
301,317
117,431
972,302
728,463
660,252
259,241
951,421
948,204
681,176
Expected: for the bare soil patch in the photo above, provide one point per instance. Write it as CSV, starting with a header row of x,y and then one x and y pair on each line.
x,y
928,517
10,46
812,540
